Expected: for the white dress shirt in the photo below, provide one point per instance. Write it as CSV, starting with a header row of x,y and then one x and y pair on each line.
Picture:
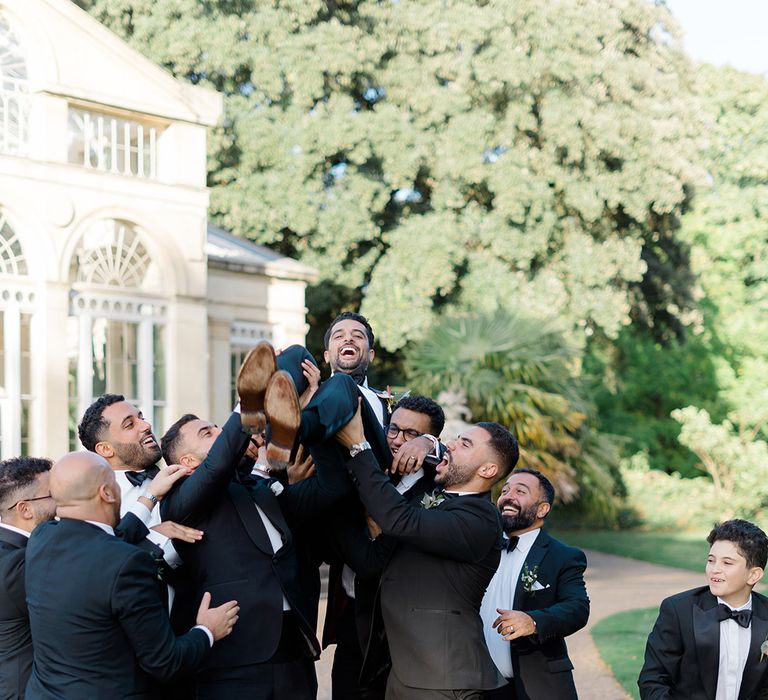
x,y
373,399
15,529
275,538
501,594
734,649
130,495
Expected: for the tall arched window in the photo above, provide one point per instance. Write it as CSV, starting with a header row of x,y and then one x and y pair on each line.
x,y
14,93
16,318
117,323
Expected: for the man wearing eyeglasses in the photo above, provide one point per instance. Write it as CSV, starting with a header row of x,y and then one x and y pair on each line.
x,y
25,502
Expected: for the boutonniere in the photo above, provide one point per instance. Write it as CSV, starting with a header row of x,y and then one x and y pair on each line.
x,y
392,399
277,488
432,500
529,578
764,649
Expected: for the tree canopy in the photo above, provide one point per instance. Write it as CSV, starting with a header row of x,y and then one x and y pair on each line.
x,y
414,152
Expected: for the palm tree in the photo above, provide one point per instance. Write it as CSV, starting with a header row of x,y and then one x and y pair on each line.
x,y
518,372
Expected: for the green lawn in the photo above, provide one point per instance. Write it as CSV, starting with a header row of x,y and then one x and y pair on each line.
x,y
685,550
620,639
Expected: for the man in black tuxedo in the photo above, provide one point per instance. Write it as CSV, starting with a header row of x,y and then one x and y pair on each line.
x,y
99,624
536,598
25,502
433,585
356,563
249,550
709,643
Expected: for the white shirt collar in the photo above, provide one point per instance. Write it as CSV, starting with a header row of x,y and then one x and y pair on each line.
x,y
107,528
526,540
463,493
15,529
409,480
746,606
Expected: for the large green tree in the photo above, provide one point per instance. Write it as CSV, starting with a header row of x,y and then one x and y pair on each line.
x,y
440,155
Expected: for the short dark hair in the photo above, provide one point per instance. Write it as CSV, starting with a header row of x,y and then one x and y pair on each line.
x,y
354,317
422,404
544,484
749,539
503,443
18,473
92,426
170,442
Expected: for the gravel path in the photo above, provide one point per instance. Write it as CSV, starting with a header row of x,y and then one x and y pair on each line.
x,y
614,584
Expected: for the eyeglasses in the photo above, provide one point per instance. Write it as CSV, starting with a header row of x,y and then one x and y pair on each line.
x,y
27,500
393,430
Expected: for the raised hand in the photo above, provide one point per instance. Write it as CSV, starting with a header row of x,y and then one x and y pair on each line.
x,y
300,468
166,478
410,455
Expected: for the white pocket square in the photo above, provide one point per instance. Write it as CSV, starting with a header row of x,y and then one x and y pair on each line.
x,y
538,587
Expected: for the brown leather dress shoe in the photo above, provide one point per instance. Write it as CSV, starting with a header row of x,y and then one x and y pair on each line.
x,y
281,404
252,379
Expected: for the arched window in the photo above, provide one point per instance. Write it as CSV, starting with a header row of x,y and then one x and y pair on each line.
x,y
16,321
116,338
12,260
14,93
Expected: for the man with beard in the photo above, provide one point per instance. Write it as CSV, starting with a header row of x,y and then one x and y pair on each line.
x,y
448,549
349,350
115,429
536,598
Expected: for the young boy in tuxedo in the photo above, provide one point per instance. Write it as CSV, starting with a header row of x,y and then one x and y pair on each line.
x,y
708,643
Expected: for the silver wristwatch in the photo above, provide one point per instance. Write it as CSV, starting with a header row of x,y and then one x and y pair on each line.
x,y
357,448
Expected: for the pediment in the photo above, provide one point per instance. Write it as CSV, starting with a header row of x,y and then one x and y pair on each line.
x,y
71,54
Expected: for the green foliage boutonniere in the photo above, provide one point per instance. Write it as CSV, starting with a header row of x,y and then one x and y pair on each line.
x,y
432,500
529,578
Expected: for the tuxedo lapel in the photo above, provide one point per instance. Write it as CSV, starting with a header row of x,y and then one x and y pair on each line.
x,y
265,499
755,668
706,632
535,556
249,516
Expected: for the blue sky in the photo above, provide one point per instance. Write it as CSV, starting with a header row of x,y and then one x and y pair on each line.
x,y
720,32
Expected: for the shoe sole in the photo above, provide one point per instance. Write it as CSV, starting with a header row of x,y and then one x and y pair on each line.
x,y
253,378
281,404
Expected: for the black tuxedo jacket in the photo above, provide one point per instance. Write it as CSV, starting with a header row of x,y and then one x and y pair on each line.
x,y
432,588
15,637
235,559
99,624
348,542
540,662
682,655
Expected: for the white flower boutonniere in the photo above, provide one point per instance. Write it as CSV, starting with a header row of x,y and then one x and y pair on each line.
x,y
432,500
764,649
529,578
277,488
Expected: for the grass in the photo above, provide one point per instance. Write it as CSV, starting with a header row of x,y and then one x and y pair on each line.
x,y
620,639
684,550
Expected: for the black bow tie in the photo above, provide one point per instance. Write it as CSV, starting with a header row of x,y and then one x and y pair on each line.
x,y
741,617
138,478
511,543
